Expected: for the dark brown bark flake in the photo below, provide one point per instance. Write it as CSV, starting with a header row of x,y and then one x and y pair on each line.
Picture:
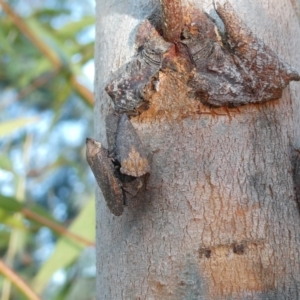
x,y
104,172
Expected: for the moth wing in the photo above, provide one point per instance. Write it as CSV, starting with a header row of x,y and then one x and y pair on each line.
x,y
131,86
271,74
130,151
111,122
127,88
103,169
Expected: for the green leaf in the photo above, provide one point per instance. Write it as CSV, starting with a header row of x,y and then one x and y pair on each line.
x,y
41,68
10,204
9,127
48,37
5,46
47,14
6,163
66,251
72,28
11,221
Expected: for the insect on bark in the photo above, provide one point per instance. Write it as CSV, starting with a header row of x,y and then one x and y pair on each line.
x,y
120,170
104,172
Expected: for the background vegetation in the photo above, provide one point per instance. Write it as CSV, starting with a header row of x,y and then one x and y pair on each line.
x,y
46,189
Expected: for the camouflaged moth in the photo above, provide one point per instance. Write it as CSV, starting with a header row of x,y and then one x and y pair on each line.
x,y
120,170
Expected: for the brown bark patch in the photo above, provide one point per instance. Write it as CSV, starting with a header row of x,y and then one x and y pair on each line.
x,y
238,267
172,101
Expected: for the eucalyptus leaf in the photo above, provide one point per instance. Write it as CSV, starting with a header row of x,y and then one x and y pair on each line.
x,y
66,252
11,126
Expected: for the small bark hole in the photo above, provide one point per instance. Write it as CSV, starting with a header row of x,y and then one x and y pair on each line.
x,y
239,249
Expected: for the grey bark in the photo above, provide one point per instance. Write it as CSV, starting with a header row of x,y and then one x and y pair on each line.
x,y
219,219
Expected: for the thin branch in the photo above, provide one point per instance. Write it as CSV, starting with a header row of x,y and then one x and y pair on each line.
x,y
86,94
83,91
55,227
18,281
30,35
37,83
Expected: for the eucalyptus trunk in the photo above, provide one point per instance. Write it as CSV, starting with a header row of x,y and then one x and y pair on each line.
x,y
219,217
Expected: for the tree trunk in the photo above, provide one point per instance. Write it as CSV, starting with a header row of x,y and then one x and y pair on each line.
x,y
219,218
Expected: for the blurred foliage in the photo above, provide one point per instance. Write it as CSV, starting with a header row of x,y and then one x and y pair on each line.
x,y
47,218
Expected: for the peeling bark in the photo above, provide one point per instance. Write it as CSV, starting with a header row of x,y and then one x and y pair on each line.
x,y
172,19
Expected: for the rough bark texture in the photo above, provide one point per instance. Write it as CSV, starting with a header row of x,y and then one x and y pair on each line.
x,y
219,218
173,19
